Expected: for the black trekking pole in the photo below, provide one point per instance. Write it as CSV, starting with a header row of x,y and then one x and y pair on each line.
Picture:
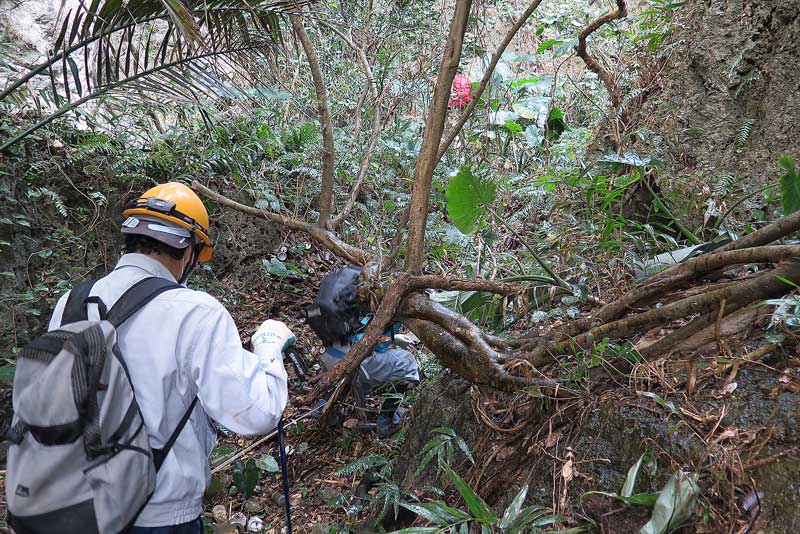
x,y
285,476
293,356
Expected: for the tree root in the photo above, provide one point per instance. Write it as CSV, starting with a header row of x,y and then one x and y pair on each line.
x,y
511,364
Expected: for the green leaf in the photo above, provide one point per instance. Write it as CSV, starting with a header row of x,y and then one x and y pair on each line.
x,y
661,402
512,126
7,375
675,504
268,464
547,45
276,267
436,512
245,476
467,199
633,472
641,499
790,186
513,510
480,510
223,450
464,448
416,530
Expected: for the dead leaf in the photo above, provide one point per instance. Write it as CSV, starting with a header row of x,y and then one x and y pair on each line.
x,y
552,439
351,423
567,472
792,386
729,433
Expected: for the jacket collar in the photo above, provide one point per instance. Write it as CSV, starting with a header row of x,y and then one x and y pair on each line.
x,y
145,263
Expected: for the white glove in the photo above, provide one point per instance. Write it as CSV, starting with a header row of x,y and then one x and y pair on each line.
x,y
270,340
404,341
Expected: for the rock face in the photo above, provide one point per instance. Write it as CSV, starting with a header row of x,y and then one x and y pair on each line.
x,y
27,28
731,97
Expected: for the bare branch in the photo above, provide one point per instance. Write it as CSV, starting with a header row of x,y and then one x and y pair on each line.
x,y
487,76
444,283
434,128
764,286
323,236
613,89
682,273
362,172
362,57
328,169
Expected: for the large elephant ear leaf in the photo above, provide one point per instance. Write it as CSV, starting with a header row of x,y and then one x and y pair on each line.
x,y
468,199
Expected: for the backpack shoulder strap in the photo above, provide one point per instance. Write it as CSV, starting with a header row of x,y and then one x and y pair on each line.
x,y
75,309
159,455
136,297
128,304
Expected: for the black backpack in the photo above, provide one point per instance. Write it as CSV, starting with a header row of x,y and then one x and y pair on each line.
x,y
336,313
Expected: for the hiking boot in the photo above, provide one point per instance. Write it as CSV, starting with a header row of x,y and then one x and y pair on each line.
x,y
385,427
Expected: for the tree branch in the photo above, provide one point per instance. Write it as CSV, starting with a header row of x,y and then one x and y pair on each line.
x,y
429,281
614,92
434,128
323,236
362,57
736,296
695,268
362,172
328,169
487,76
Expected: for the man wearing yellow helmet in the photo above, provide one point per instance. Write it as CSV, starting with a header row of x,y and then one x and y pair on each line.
x,y
184,354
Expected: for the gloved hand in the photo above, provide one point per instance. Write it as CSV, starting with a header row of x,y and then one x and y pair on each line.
x,y
271,339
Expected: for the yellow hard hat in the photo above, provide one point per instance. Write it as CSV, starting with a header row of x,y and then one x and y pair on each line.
x,y
178,206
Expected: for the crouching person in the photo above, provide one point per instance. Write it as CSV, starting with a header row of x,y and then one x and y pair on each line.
x,y
336,317
389,370
186,365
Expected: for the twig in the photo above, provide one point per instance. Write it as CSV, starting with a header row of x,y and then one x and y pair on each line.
x,y
326,195
611,86
230,459
794,451
362,172
362,57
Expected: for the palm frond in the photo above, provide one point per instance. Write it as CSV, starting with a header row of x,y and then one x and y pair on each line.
x,y
158,48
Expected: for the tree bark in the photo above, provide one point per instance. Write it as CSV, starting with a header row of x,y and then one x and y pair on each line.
x,y
434,128
328,168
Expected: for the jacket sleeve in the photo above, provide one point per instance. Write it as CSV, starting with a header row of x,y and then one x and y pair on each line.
x,y
236,389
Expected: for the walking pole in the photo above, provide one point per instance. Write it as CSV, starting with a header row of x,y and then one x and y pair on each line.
x,y
285,476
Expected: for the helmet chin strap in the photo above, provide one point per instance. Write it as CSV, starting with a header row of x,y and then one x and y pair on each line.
x,y
191,265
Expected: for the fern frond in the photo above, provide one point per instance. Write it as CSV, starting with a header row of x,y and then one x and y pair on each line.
x,y
52,196
37,169
743,134
723,185
362,465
